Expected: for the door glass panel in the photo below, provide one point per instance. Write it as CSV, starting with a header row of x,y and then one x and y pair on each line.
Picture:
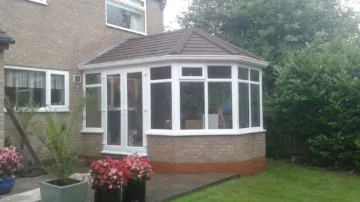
x,y
135,116
113,110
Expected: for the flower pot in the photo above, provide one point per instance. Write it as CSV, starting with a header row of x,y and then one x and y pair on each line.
x,y
107,196
6,185
75,192
135,191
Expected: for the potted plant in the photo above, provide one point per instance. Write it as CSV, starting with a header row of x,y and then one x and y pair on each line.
x,y
9,163
141,172
108,177
58,139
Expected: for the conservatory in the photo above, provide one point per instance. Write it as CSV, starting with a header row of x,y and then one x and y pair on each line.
x,y
189,101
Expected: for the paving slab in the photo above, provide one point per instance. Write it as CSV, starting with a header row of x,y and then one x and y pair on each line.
x,y
163,187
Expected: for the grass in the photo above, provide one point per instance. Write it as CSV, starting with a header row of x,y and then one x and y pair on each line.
x,y
283,182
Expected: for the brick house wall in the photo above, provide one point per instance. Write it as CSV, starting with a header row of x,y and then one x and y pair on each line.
x,y
244,154
58,36
2,132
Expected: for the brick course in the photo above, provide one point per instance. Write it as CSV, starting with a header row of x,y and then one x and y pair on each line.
x,y
243,153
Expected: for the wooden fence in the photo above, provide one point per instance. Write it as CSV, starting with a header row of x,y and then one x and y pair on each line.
x,y
279,138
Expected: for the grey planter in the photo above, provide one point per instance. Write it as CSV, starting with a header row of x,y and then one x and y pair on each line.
x,y
71,193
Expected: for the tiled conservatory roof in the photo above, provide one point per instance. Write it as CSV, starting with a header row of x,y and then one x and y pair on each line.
x,y
190,41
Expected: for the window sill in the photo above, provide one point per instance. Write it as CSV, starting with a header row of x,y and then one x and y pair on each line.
x,y
39,2
50,109
125,29
205,132
92,130
122,152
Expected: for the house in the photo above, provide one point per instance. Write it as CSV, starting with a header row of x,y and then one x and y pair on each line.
x,y
5,41
189,101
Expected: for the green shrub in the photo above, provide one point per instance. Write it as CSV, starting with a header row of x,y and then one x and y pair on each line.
x,y
317,94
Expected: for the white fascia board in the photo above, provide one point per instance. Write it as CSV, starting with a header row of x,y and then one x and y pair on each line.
x,y
177,58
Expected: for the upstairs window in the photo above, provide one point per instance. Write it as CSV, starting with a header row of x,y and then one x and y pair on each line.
x,y
126,14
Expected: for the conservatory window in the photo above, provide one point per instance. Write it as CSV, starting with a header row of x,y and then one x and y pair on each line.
x,y
192,106
192,71
161,98
249,98
93,107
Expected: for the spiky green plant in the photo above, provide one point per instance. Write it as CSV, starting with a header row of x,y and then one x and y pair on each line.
x,y
58,139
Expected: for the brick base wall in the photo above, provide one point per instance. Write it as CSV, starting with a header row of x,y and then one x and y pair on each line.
x,y
244,154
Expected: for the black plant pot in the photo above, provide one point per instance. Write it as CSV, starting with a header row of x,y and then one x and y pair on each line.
x,y
135,191
107,196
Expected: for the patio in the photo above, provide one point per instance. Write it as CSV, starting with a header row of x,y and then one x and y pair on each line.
x,y
161,188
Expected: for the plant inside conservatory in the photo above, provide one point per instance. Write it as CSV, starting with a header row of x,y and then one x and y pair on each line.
x,y
58,139
9,163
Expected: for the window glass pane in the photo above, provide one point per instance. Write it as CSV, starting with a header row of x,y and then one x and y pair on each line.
x,y
255,105
135,109
93,108
137,2
124,16
157,73
191,71
243,73
192,105
113,110
161,115
220,105
254,75
57,89
244,105
25,87
219,72
93,79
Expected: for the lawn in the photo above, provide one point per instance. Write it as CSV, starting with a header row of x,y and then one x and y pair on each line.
x,y
283,182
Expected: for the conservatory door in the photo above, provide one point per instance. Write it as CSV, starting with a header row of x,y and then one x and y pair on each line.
x,y
124,112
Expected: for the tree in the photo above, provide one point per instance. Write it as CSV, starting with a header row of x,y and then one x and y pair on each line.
x,y
272,28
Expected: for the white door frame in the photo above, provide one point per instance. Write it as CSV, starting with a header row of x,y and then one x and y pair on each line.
x,y
123,148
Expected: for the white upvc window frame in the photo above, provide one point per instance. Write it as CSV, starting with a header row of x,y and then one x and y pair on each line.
x,y
128,3
39,1
177,78
85,86
48,73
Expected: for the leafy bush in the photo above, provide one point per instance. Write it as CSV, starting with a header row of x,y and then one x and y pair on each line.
x,y
317,94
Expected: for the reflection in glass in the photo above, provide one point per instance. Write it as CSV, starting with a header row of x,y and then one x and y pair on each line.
x,y
113,113
161,106
191,71
219,72
220,105
255,105
244,105
135,115
192,105
93,108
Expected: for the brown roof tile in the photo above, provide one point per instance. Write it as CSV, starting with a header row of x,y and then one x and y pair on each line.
x,y
190,41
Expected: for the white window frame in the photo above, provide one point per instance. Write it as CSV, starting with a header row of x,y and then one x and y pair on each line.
x,y
148,94
93,129
177,78
127,3
48,73
39,1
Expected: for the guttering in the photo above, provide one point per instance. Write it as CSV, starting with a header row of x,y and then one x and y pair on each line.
x,y
175,58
